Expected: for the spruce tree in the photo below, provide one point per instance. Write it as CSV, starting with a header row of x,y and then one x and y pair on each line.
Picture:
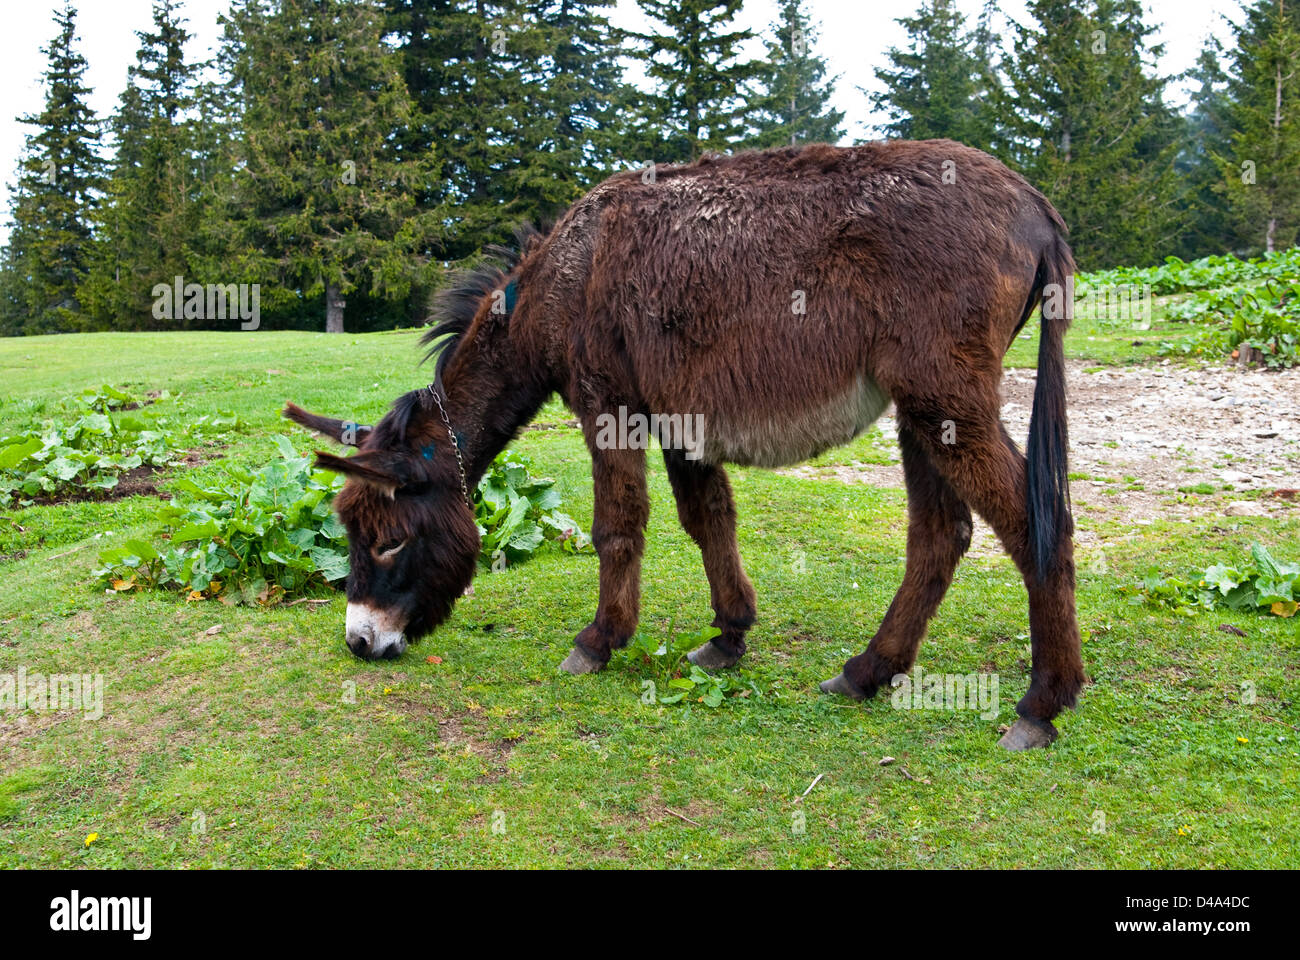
x,y
59,180
1261,167
933,87
1205,143
694,61
1092,130
521,100
148,223
322,202
789,100
573,94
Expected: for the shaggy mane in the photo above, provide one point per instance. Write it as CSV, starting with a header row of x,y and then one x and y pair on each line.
x,y
391,430
457,303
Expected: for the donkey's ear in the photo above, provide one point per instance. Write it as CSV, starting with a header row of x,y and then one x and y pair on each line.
x,y
341,431
366,467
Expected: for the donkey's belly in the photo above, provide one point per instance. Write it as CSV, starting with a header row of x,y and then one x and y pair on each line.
x,y
739,436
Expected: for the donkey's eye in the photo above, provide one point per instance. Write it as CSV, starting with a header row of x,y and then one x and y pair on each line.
x,y
390,548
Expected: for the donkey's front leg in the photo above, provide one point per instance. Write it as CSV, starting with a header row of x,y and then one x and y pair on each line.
x,y
618,533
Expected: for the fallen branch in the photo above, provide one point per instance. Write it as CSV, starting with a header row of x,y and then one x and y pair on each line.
x,y
810,786
681,816
66,552
1276,720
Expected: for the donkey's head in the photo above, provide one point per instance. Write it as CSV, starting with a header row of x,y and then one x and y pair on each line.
x,y
414,542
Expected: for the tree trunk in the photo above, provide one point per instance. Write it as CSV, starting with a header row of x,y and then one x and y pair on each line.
x,y
1270,236
334,304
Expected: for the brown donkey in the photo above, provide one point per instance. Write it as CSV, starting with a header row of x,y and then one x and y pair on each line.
x,y
785,297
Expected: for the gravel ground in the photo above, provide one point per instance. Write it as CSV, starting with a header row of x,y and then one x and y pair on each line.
x,y
1138,434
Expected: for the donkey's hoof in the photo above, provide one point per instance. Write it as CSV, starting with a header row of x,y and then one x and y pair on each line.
x,y
713,657
579,661
844,686
1028,733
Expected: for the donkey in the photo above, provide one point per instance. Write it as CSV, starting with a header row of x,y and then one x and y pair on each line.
x,y
787,296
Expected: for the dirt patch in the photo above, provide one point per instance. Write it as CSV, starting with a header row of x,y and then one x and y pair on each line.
x,y
138,482
1139,434
17,731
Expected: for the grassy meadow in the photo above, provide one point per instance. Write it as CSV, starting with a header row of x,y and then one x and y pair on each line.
x,y
265,743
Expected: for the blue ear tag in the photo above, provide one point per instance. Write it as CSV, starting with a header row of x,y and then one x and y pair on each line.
x,y
511,296
427,451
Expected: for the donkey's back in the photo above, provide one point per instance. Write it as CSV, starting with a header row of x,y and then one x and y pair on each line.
x,y
783,294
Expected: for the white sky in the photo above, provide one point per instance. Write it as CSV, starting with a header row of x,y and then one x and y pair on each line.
x,y
854,36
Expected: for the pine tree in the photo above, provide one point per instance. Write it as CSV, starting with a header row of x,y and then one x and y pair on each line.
x,y
1205,142
521,101
1261,165
789,102
1092,130
934,87
59,180
694,62
148,223
322,201
986,129
573,97
455,58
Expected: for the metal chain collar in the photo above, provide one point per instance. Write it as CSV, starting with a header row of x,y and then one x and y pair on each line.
x,y
451,434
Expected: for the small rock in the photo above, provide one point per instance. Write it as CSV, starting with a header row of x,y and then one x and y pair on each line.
x,y
886,761
213,631
1244,508
1236,477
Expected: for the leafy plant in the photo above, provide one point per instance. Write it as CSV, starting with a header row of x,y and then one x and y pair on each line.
x,y
674,679
88,457
1266,584
1266,318
1234,304
105,399
517,512
256,538
1179,276
262,536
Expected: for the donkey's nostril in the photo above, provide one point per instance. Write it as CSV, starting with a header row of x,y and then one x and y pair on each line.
x,y
359,641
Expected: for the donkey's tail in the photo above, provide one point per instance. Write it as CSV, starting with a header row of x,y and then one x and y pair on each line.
x,y
1048,449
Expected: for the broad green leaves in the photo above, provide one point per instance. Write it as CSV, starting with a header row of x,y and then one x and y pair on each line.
x,y
517,513
263,536
1233,304
675,680
88,456
1266,585
256,538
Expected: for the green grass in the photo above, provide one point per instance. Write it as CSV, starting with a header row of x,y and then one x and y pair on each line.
x,y
1106,342
268,744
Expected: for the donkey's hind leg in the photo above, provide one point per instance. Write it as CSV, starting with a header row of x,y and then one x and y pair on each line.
x,y
938,533
988,472
708,513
